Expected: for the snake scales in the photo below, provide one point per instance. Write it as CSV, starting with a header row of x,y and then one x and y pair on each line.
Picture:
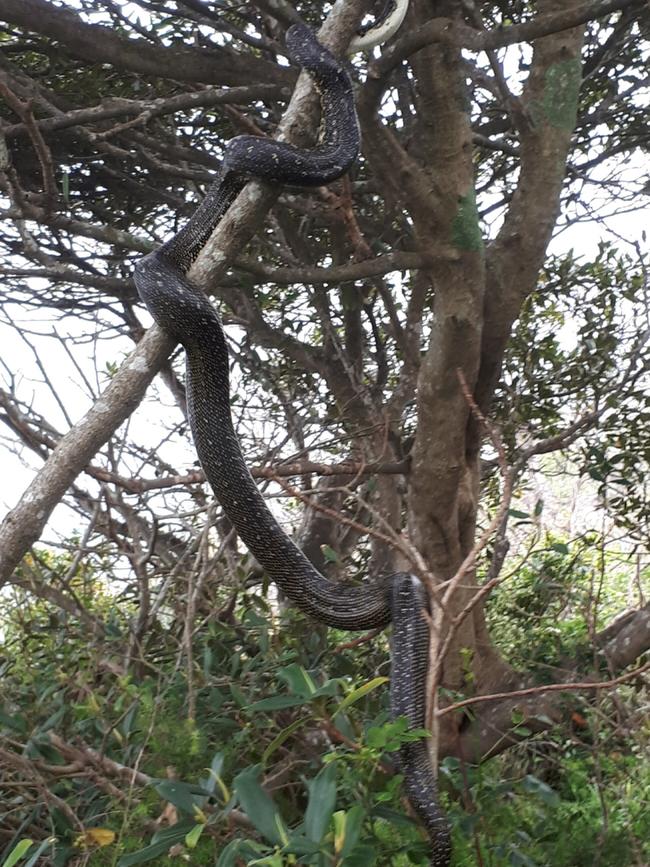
x,y
185,313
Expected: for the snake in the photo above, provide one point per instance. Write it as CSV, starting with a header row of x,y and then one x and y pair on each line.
x,y
382,28
184,312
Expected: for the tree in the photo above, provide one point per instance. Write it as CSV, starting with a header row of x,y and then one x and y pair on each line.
x,y
378,385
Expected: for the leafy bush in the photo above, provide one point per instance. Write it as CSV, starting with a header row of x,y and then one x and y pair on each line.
x,y
288,756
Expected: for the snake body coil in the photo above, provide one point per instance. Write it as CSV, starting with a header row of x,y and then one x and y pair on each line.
x,y
186,314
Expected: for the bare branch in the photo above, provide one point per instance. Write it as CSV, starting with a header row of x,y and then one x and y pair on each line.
x,y
552,687
100,44
380,265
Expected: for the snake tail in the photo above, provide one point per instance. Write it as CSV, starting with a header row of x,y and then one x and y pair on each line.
x,y
409,666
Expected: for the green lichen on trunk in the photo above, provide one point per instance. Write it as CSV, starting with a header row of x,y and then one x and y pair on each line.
x,y
465,230
561,87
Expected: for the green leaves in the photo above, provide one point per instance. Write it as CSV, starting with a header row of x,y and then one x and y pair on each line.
x,y
192,837
237,850
322,799
277,702
39,850
15,722
392,735
329,554
517,513
302,690
214,776
18,852
347,830
161,843
186,796
281,738
539,789
259,806
298,680
359,693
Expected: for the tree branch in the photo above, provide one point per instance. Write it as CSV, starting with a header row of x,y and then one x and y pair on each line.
x,y
460,35
100,44
539,707
149,108
516,256
550,687
25,522
304,468
380,265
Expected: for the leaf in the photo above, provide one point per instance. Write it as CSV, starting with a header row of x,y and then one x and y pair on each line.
x,y
329,688
275,860
216,698
259,806
537,787
358,693
214,771
192,837
351,830
516,715
299,845
18,852
329,554
515,513
33,858
393,734
377,736
518,859
560,548
322,799
237,694
53,721
277,702
281,829
360,856
279,739
237,850
185,796
16,722
174,833
130,718
146,854
393,816
298,680
97,837
62,855
161,843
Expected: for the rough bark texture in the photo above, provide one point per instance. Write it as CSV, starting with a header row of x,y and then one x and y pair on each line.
x,y
476,295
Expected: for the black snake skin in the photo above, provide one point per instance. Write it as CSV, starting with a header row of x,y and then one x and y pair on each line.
x,y
382,28
408,677
185,313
